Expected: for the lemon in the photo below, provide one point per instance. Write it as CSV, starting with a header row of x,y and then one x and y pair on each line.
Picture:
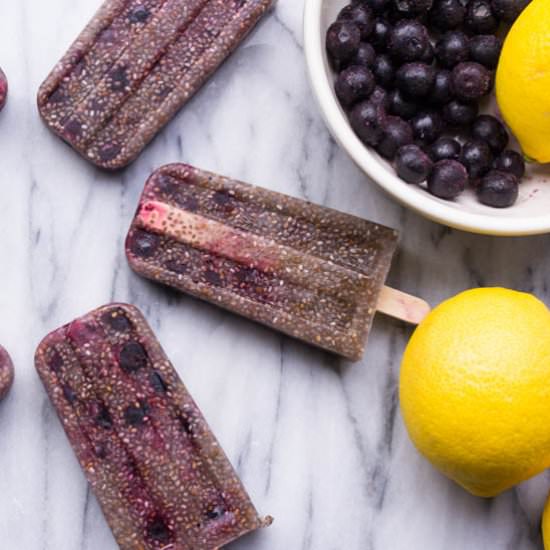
x,y
475,389
523,80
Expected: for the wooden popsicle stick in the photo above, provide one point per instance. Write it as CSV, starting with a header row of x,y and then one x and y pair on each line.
x,y
403,306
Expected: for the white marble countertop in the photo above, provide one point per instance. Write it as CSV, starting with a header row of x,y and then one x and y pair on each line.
x,y
319,442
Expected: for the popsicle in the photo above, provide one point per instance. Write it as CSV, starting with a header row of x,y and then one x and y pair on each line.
x,y
3,89
158,472
6,373
134,66
311,272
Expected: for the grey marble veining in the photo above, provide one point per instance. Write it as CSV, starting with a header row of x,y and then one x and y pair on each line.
x,y
319,442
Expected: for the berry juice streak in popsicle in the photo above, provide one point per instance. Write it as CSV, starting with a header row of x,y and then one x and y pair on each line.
x,y
157,470
308,271
134,66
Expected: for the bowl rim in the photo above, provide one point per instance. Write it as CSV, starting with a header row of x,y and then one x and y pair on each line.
x,y
342,132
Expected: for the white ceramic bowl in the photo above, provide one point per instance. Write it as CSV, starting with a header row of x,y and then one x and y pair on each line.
x,y
529,216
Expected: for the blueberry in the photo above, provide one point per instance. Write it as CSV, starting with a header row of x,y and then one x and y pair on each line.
x,y
447,14
143,244
485,49
116,320
159,531
103,418
508,10
158,383
354,84
477,158
459,114
384,71
132,357
135,416
452,48
511,162
408,40
380,34
448,179
119,79
490,129
380,97
109,151
445,148
480,18
215,512
442,90
361,15
498,189
366,119
365,55
139,15
412,164
470,81
343,39
427,126
401,106
415,79
377,6
69,393
412,8
396,132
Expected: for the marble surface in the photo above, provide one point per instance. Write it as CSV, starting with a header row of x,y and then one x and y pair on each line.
x,y
319,442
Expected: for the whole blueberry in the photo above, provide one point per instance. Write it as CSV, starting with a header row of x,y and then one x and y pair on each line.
x,y
448,179
485,49
415,79
412,164
396,132
381,34
361,15
511,162
445,148
354,84
366,119
508,10
401,106
480,18
477,158
343,39
459,113
442,90
384,71
380,97
498,189
412,8
408,40
452,48
447,14
365,55
490,129
470,81
427,126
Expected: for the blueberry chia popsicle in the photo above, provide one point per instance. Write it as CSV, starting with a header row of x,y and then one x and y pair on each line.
x,y
159,474
308,271
134,66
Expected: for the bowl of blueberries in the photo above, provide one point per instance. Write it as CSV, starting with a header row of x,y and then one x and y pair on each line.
x,y
407,89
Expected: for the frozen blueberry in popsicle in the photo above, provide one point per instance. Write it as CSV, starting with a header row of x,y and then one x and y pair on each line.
x,y
308,271
158,472
134,66
6,373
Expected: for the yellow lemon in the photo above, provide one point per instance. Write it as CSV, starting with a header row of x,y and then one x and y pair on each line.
x,y
475,388
523,80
